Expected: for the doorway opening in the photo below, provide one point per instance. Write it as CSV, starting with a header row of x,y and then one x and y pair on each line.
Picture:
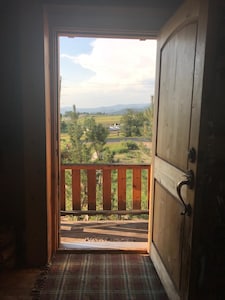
x,y
105,128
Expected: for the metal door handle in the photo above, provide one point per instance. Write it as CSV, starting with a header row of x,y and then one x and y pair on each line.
x,y
189,181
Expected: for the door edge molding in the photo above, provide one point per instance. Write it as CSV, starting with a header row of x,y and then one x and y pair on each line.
x,y
163,275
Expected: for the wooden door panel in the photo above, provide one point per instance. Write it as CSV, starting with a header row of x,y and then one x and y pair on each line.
x,y
175,96
176,127
167,175
167,231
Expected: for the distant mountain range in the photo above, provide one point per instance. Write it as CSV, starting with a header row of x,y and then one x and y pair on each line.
x,y
118,109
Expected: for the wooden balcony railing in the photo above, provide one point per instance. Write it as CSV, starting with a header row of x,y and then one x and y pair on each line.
x,y
105,189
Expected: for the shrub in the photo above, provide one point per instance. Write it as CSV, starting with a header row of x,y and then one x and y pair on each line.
x,y
132,146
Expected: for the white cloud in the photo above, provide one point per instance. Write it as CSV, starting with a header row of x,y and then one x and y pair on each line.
x,y
118,66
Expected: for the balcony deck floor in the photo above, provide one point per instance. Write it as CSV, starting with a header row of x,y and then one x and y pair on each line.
x,y
124,235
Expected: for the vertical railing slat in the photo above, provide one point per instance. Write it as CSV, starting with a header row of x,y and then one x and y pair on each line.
x,y
76,201
63,191
122,189
91,176
107,189
136,188
149,184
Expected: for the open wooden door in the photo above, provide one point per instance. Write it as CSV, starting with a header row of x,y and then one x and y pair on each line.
x,y
181,47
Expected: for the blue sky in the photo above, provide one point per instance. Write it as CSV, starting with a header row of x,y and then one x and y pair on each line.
x,y
104,72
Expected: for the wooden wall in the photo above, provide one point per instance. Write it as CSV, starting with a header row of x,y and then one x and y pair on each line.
x,y
22,153
34,130
12,204
208,264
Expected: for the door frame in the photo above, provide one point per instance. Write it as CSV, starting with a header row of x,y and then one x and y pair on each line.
x,y
73,20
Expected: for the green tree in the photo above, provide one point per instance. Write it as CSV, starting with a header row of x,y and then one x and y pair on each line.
x,y
75,132
96,135
85,138
127,123
77,151
63,127
132,123
72,115
148,123
137,123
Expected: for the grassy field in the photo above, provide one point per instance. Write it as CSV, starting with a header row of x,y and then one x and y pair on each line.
x,y
125,156
105,120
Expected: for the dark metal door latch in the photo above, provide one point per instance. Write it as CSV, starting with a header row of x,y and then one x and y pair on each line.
x,y
189,181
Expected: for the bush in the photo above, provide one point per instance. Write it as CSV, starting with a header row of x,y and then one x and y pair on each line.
x,y
132,146
122,150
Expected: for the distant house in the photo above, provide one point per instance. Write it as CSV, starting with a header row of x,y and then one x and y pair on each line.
x,y
114,127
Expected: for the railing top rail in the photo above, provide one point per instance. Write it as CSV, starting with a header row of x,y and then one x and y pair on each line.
x,y
104,166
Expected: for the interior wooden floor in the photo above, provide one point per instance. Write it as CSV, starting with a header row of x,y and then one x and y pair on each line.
x,y
123,235
17,284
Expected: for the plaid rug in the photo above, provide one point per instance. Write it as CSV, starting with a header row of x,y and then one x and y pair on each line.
x,y
100,276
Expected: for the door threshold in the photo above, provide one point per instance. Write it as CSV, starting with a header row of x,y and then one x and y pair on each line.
x,y
101,251
104,246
